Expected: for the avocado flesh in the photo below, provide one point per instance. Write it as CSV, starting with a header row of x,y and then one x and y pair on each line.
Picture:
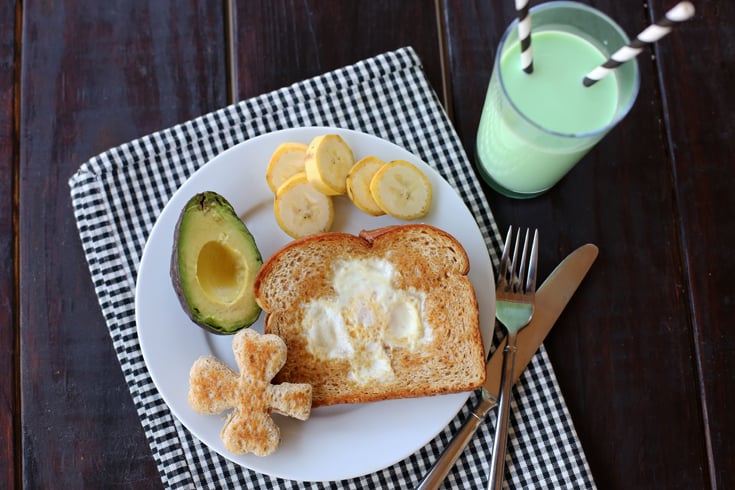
x,y
214,264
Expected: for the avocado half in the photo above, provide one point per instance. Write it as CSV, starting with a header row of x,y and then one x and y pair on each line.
x,y
213,265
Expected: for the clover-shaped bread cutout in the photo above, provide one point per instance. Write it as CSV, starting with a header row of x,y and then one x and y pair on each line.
x,y
214,388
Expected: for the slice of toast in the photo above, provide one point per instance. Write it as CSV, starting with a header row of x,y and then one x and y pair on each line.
x,y
387,314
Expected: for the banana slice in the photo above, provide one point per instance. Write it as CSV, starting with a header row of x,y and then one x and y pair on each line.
x,y
287,161
358,185
301,209
401,190
328,161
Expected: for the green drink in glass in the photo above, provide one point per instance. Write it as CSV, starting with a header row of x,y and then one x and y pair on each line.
x,y
535,127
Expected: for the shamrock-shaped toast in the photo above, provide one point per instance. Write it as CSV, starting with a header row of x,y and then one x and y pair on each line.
x,y
214,388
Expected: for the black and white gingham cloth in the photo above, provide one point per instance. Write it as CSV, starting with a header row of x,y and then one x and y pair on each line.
x,y
118,195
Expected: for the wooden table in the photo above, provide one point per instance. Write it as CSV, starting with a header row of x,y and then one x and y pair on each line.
x,y
645,352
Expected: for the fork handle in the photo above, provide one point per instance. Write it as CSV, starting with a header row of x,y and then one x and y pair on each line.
x,y
439,471
497,463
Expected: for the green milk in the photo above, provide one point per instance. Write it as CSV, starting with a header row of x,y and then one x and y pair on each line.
x,y
535,127
553,96
553,99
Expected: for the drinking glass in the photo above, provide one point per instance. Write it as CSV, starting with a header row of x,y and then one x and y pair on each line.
x,y
533,130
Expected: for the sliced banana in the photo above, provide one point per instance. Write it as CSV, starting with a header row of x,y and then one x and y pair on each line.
x,y
286,161
301,209
328,161
358,185
401,190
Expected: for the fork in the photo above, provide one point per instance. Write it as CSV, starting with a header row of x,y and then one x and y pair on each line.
x,y
514,301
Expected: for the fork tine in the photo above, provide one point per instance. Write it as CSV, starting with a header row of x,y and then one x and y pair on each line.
x,y
524,263
533,265
514,282
517,272
504,259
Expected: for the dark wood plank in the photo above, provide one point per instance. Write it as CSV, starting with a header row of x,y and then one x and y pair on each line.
x,y
94,75
623,349
279,43
699,121
8,156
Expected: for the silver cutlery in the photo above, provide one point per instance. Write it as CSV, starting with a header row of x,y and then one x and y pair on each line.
x,y
551,299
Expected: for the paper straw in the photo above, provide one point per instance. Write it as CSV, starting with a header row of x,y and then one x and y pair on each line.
x,y
679,13
524,35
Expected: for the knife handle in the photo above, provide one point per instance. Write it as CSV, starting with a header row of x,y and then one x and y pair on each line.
x,y
439,471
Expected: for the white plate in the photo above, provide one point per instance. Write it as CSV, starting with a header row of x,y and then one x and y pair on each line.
x,y
337,442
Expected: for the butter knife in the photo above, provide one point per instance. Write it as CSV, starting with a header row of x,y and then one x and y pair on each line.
x,y
551,299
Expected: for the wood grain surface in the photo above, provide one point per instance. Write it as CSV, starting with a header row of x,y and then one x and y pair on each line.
x,y
9,396
280,43
95,75
644,353
698,122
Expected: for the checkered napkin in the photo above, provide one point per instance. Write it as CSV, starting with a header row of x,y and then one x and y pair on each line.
x,y
118,195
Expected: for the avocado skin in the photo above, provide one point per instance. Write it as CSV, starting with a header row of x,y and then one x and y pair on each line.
x,y
205,202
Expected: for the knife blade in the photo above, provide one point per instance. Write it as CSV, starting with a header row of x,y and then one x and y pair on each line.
x,y
551,299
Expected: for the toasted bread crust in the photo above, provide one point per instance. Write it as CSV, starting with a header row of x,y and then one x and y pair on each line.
x,y
427,260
